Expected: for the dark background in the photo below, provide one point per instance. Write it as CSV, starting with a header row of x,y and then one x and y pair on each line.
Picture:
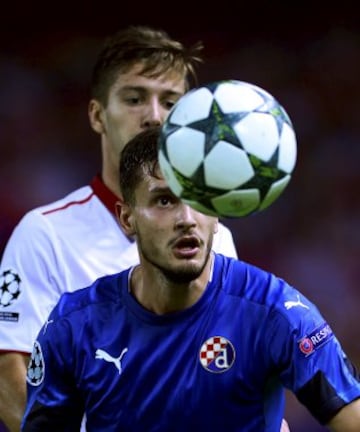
x,y
306,55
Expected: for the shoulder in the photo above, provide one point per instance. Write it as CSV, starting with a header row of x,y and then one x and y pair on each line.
x,y
77,198
247,280
42,218
264,289
102,292
224,242
223,230
39,231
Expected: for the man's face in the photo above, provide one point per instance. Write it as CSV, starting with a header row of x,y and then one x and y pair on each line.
x,y
135,102
170,235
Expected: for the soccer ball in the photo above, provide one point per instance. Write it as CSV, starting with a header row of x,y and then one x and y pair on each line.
x,y
9,287
227,149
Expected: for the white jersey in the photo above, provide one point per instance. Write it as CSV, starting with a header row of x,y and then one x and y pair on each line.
x,y
64,246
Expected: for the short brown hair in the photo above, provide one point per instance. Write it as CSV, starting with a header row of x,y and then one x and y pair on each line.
x,y
139,158
158,52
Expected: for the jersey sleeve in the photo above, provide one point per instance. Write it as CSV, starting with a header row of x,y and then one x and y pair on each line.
x,y
224,242
29,282
312,362
53,400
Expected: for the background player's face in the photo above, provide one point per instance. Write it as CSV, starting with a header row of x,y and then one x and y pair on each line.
x,y
171,235
135,102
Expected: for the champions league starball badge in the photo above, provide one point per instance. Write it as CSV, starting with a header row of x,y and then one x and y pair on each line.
x,y
217,354
9,287
36,366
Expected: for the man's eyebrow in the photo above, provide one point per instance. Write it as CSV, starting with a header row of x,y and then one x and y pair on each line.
x,y
132,87
144,89
159,190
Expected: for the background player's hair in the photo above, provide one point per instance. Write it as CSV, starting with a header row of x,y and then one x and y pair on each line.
x,y
139,158
154,48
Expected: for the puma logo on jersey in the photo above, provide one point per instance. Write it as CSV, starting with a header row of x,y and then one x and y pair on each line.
x,y
46,325
290,304
103,355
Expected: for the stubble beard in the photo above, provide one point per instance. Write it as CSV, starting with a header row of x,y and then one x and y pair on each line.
x,y
181,274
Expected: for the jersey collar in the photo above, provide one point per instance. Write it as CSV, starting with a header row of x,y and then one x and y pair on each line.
x,y
105,195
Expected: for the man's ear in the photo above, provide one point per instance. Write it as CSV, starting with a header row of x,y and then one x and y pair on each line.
x,y
124,216
95,113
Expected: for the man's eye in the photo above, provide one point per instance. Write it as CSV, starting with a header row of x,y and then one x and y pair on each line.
x,y
169,104
165,201
132,100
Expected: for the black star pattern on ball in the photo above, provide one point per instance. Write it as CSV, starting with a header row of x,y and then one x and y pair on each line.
x,y
266,173
218,126
280,116
195,188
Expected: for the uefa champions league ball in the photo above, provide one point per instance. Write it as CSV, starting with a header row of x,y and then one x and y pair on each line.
x,y
227,149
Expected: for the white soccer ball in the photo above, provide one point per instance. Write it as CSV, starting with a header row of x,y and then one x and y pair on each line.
x,y
227,149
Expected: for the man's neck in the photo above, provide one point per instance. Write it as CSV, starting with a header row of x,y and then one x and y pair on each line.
x,y
111,182
159,295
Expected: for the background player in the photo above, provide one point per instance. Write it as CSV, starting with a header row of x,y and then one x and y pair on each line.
x,y
66,245
187,340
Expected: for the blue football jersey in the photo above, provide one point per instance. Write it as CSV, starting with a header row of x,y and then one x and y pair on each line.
x,y
220,365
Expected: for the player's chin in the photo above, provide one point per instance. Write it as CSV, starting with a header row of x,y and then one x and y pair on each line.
x,y
187,275
185,271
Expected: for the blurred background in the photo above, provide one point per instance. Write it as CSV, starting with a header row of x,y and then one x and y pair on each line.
x,y
306,54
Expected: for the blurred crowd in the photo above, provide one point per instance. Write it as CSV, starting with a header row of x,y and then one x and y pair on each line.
x,y
310,236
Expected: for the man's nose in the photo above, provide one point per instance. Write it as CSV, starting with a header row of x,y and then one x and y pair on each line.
x,y
185,217
155,114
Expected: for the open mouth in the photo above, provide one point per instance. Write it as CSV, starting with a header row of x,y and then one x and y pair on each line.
x,y
187,247
189,242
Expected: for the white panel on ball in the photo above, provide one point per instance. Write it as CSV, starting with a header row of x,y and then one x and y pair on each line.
x,y
185,149
227,167
169,175
194,106
258,133
237,202
287,149
233,97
